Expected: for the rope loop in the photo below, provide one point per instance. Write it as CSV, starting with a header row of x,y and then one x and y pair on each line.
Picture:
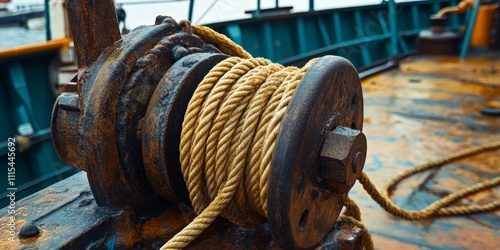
x,y
438,208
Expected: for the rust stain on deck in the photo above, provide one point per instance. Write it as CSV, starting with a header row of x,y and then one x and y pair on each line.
x,y
483,70
424,110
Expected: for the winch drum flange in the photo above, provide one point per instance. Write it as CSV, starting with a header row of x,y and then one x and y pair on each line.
x,y
319,154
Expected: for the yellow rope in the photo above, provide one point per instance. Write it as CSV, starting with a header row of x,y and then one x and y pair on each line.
x,y
437,208
228,137
227,141
353,216
225,44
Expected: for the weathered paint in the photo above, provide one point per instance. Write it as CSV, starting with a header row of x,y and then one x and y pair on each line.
x,y
425,110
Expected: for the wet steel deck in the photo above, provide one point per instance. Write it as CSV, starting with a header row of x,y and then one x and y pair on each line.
x,y
424,110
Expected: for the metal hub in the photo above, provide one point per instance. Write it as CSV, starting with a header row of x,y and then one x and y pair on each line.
x,y
310,171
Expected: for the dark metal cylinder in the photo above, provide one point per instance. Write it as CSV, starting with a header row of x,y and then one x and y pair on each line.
x,y
64,129
437,40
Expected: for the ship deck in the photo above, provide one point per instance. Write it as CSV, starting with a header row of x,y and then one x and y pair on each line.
x,y
424,110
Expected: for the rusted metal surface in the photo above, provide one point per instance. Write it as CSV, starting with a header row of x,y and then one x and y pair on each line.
x,y
427,109
97,130
138,89
109,133
67,217
342,158
341,236
131,153
480,70
115,184
301,208
162,124
160,132
64,129
94,27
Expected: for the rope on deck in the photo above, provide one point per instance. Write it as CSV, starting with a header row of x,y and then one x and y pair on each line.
x,y
438,208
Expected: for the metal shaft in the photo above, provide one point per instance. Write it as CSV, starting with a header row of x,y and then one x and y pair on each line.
x,y
94,27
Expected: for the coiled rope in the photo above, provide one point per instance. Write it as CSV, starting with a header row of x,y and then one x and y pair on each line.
x,y
228,137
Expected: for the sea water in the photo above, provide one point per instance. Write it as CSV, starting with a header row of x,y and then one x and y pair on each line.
x,y
16,36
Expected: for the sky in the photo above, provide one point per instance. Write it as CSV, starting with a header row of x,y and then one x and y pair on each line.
x,y
140,12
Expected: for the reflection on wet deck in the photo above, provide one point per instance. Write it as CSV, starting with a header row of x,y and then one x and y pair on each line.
x,y
424,110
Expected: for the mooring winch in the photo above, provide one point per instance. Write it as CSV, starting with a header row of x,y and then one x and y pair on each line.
x,y
123,125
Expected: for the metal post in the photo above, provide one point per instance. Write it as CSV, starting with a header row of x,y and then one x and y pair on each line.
x,y
470,28
277,4
311,5
191,9
394,28
94,27
48,33
257,12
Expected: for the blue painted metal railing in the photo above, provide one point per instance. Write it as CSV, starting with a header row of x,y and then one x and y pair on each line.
x,y
26,101
363,34
468,33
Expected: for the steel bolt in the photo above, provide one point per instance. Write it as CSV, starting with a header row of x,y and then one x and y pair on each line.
x,y
342,159
29,230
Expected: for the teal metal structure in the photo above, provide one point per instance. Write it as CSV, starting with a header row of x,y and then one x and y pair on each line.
x,y
26,100
470,28
363,34
48,33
